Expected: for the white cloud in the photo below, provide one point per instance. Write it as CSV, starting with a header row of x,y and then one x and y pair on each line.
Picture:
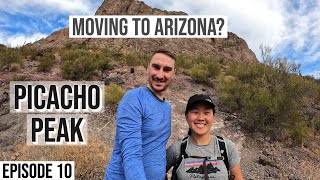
x,y
19,39
38,18
256,21
36,7
290,28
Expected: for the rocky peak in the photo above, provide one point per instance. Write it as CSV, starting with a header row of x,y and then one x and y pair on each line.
x,y
232,48
131,7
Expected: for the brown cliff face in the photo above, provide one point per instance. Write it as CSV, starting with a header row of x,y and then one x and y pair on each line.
x,y
131,7
232,48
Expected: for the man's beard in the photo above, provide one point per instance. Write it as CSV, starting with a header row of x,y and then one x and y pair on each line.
x,y
157,80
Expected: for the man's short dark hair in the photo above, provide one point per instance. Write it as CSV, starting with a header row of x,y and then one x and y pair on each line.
x,y
166,52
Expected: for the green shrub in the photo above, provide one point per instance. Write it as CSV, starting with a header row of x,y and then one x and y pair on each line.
x,y
71,55
113,94
79,65
46,62
201,60
199,72
300,132
68,45
11,59
136,59
29,53
232,92
270,98
84,64
104,63
184,62
82,68
3,47
15,66
214,68
246,72
112,53
199,67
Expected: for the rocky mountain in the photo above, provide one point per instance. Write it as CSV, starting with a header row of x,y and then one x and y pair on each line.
x,y
232,48
261,158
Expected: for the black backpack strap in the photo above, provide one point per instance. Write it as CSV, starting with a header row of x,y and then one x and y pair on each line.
x,y
183,154
224,153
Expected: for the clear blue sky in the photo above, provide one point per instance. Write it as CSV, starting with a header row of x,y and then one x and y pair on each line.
x,y
290,27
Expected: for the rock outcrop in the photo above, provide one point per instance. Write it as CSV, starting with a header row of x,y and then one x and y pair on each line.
x,y
232,48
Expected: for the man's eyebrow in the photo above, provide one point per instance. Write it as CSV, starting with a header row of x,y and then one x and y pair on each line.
x,y
196,108
165,67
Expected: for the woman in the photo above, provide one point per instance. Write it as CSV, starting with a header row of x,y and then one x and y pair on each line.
x,y
202,155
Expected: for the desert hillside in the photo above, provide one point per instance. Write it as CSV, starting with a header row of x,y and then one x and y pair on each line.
x,y
271,114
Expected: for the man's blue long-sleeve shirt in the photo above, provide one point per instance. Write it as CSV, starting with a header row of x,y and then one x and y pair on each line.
x,y
143,129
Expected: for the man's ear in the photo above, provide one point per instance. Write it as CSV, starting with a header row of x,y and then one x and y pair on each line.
x,y
148,67
174,73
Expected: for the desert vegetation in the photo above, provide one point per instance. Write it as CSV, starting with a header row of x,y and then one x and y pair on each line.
x,y
271,96
90,160
113,94
11,59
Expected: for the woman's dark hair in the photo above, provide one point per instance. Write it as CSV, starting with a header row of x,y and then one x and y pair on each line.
x,y
189,132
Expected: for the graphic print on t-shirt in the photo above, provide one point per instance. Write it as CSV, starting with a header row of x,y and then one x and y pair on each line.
x,y
196,166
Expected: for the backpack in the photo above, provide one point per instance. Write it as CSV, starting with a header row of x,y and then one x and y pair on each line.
x,y
183,154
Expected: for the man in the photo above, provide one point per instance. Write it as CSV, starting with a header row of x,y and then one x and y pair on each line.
x,y
144,125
